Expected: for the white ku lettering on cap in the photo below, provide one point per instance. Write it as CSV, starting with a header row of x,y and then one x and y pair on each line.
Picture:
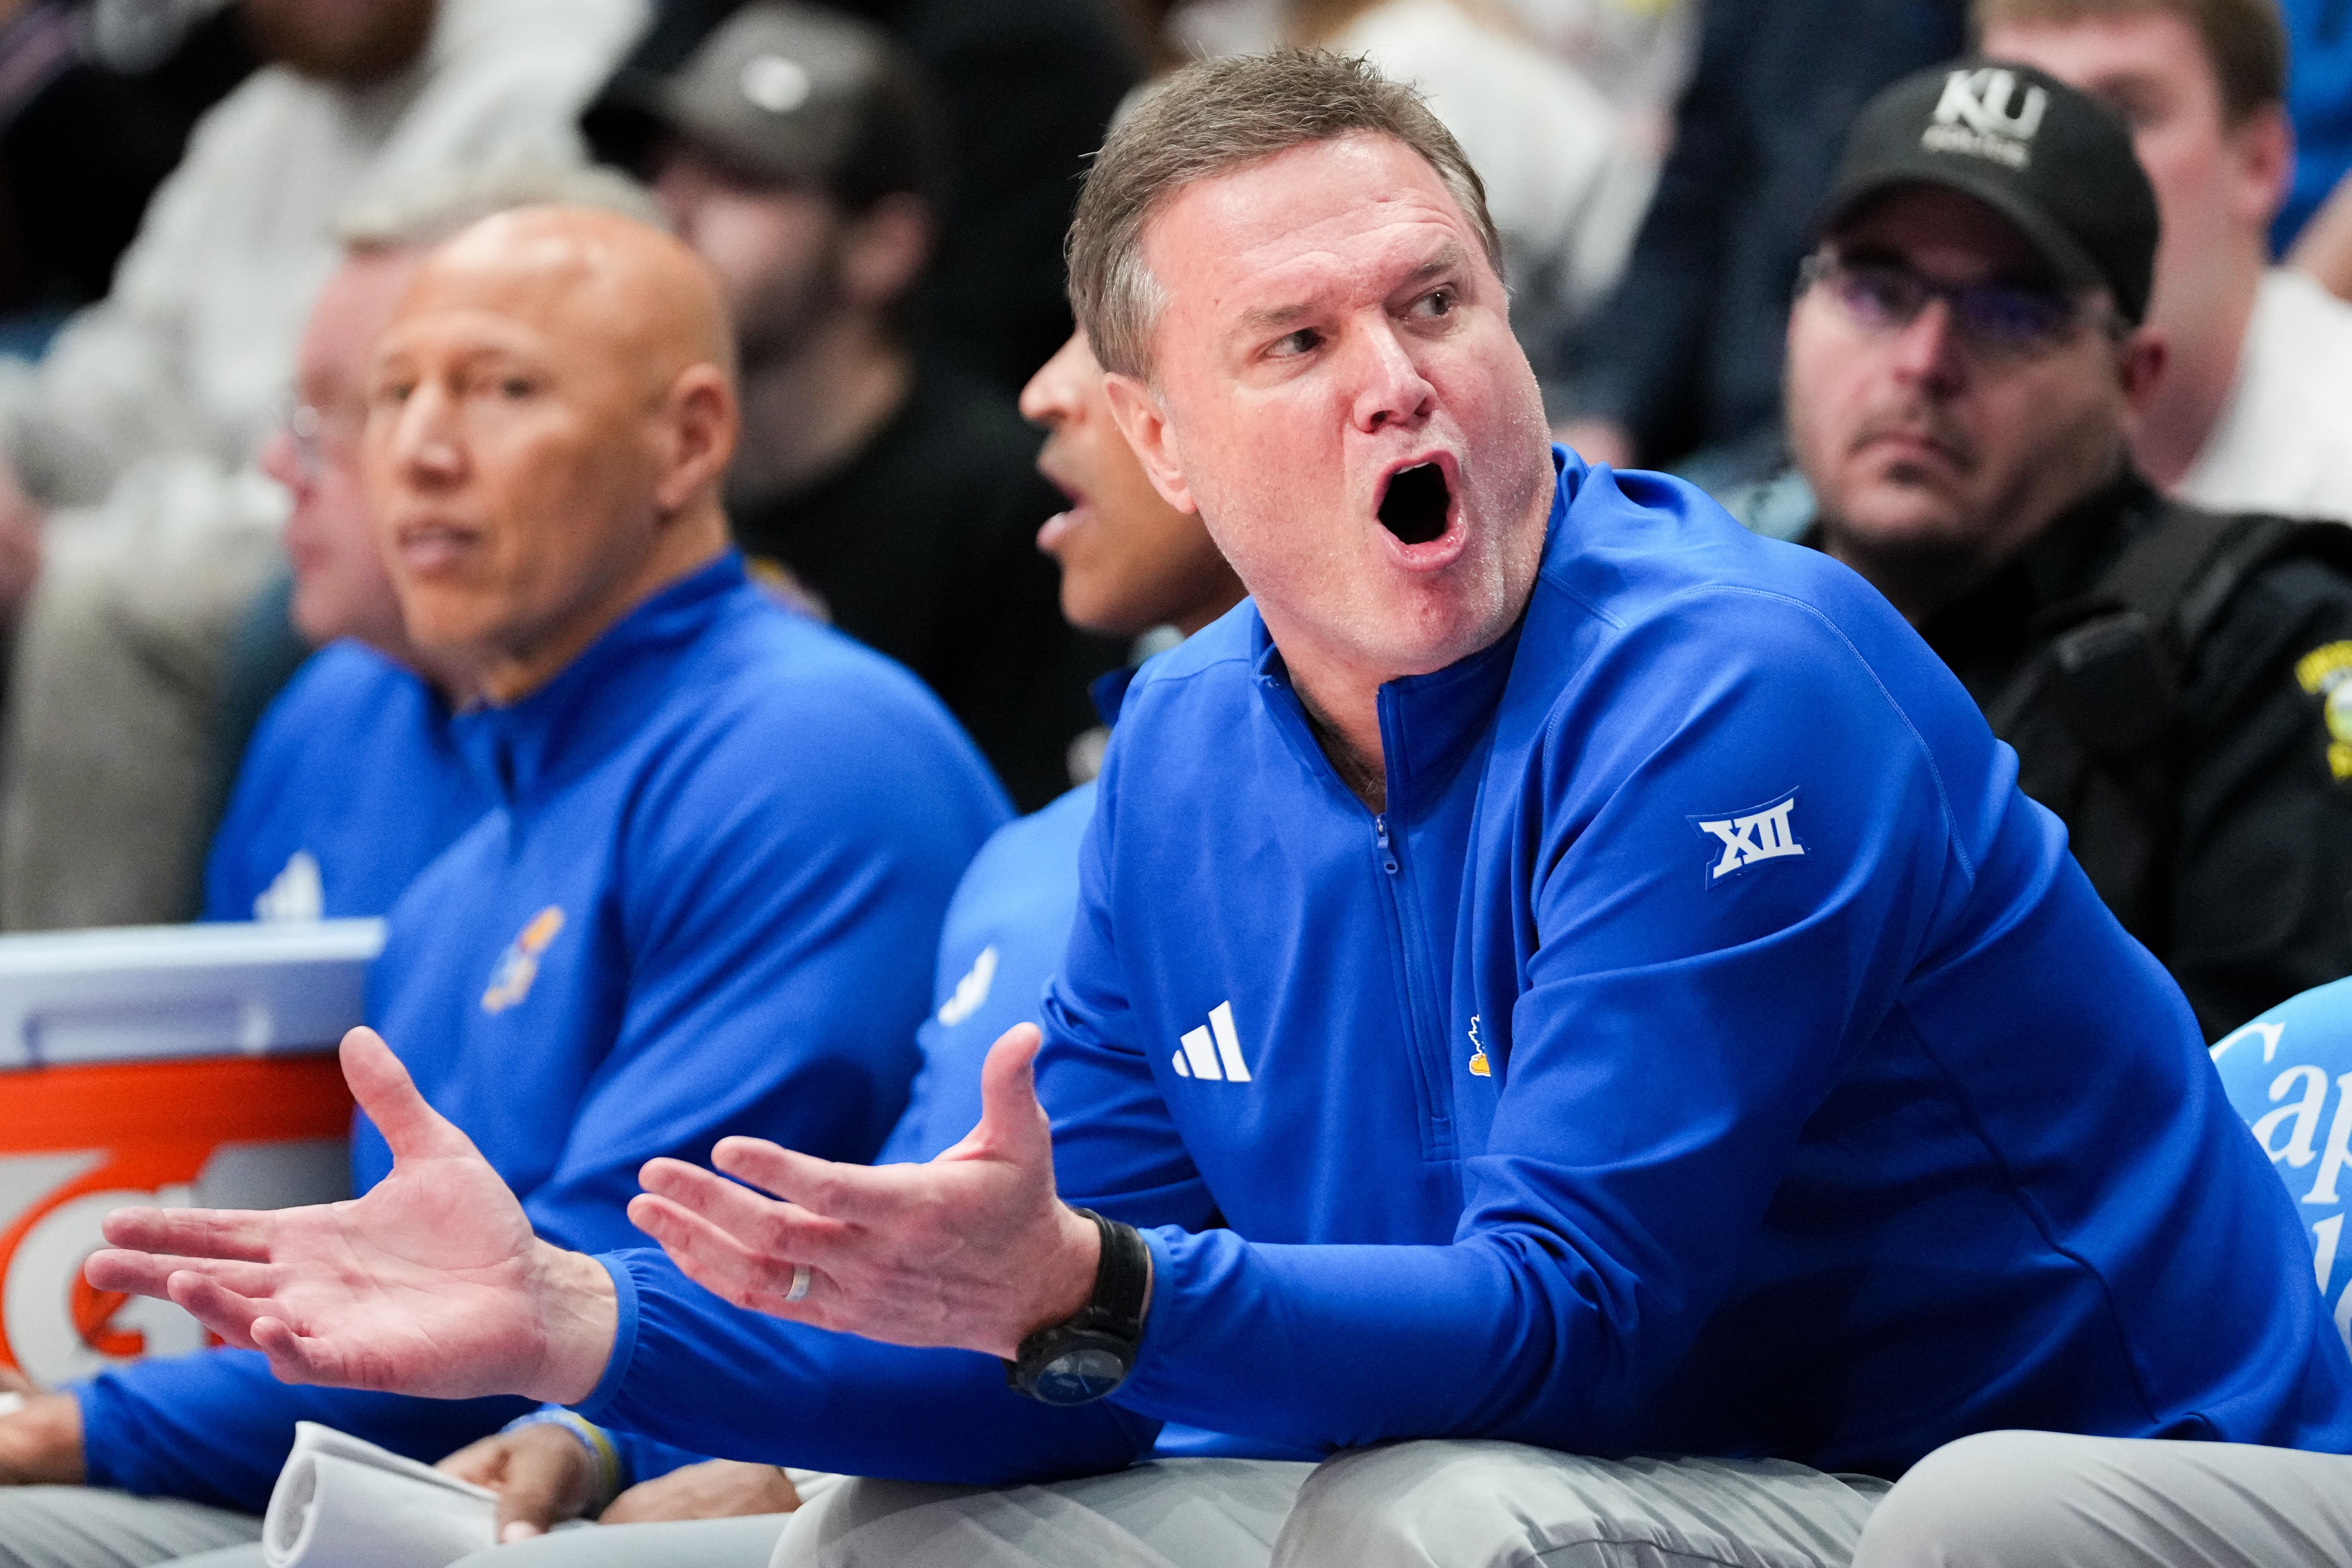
x,y
776,84
1982,114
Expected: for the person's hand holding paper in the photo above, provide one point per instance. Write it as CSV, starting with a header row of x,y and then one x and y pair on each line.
x,y
344,1503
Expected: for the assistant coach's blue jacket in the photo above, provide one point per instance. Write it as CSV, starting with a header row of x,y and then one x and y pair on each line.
x,y
1002,941
1709,1050
705,902
351,784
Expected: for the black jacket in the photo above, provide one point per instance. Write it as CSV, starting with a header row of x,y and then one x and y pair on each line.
x,y
924,544
2251,785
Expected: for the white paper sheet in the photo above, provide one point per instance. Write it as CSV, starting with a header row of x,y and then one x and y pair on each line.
x,y
341,1502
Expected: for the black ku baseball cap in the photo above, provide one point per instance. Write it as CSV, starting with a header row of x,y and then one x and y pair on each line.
x,y
2054,161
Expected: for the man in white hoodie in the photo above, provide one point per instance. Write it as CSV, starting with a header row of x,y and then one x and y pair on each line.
x,y
134,525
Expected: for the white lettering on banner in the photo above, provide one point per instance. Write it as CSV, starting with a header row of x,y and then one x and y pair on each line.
x,y
2339,1146
2305,1112
2344,1318
2323,1258
2268,1033
1762,834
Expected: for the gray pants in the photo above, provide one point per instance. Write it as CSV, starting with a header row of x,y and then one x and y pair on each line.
x,y
746,1543
1460,1504
88,1527
692,1543
2004,1498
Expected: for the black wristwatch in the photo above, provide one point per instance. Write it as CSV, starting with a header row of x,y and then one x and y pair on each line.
x,y
1080,1360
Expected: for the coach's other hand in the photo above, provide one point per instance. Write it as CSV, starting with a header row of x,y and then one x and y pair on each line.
x,y
971,1251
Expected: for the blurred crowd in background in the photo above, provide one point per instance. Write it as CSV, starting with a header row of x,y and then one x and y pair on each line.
x,y
174,176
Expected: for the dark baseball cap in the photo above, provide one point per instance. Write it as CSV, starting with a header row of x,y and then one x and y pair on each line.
x,y
791,93
2054,161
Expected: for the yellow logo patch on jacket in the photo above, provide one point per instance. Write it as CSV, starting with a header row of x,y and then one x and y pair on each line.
x,y
519,965
2326,673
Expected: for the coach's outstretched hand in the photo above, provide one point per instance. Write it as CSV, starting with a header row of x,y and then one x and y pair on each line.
x,y
433,1283
971,1251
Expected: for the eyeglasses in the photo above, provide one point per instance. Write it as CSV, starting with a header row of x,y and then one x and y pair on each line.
x,y
315,434
1999,320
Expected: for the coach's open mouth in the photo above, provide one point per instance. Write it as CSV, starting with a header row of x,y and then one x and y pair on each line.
x,y
1415,505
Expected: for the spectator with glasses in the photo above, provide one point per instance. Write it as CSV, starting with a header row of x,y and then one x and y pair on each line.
x,y
1967,355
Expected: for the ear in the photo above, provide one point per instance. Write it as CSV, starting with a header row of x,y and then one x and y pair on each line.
x,y
2139,366
2264,146
1140,420
698,422
883,252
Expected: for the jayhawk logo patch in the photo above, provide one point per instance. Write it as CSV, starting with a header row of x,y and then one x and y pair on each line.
x,y
519,965
2326,673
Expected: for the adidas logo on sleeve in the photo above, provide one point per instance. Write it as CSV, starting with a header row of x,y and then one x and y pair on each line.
x,y
1213,1051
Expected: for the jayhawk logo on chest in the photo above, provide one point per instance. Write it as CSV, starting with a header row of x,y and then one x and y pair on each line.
x,y
519,965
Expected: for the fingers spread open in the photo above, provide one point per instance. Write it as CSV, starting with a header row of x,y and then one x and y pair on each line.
x,y
766,1165
299,1358
150,1273
761,1224
715,1259
219,1309
193,1232
864,1195
133,1273
383,1087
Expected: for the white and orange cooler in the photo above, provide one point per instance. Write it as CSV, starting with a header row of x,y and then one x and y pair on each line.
x,y
184,1065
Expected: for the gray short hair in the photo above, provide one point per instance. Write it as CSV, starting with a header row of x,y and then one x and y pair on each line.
x,y
432,208
1214,117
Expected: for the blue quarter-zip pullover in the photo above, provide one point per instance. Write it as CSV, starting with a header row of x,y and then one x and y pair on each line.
x,y
705,901
351,783
1707,1050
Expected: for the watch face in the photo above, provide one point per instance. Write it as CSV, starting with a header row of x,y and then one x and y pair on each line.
x,y
1083,1372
